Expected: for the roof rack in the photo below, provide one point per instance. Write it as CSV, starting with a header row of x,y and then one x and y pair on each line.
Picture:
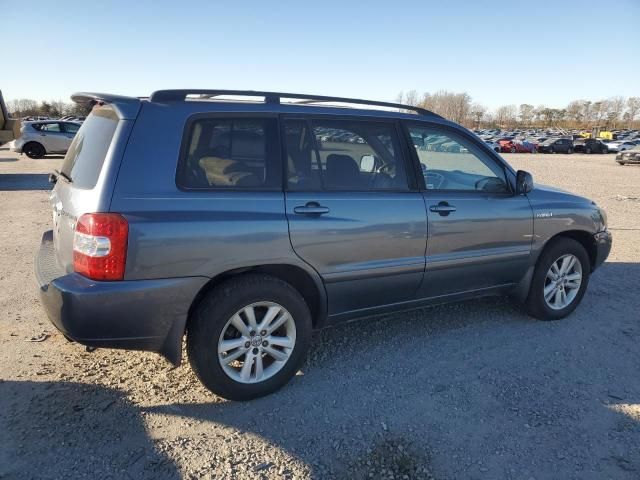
x,y
274,98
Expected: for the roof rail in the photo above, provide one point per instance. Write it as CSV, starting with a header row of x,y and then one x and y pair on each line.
x,y
127,107
274,97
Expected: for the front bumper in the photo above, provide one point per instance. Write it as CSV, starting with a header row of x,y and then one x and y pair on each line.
x,y
135,314
603,242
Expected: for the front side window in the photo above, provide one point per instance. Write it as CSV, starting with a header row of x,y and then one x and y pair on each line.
x,y
231,153
343,155
451,162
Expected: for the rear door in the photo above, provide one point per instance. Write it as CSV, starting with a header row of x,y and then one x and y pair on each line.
x,y
69,129
354,212
480,233
53,137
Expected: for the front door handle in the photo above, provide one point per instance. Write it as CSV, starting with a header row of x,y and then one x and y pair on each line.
x,y
311,208
443,208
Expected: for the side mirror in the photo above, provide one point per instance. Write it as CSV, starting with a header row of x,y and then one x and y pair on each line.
x,y
524,182
367,163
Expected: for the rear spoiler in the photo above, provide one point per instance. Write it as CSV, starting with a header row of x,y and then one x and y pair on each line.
x,y
126,107
9,128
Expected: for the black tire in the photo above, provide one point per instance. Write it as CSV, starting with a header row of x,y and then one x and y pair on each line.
x,y
552,150
570,151
211,316
34,150
621,164
513,150
535,303
587,150
604,150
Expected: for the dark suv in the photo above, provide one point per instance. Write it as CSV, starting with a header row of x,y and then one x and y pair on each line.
x,y
556,145
245,225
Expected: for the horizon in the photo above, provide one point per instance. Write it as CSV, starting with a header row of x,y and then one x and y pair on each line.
x,y
543,55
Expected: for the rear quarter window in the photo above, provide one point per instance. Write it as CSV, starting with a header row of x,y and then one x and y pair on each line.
x,y
85,157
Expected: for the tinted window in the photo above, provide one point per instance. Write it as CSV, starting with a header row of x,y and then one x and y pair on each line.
x,y
343,155
84,159
452,162
231,153
71,127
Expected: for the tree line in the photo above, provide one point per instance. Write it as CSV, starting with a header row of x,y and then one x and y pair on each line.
x,y
26,107
610,113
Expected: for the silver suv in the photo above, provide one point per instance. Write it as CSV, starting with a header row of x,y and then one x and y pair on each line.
x,y
246,224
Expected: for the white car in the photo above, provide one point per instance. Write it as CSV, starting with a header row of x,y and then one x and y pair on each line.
x,y
40,138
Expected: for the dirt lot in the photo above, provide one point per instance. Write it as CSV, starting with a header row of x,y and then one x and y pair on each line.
x,y
473,390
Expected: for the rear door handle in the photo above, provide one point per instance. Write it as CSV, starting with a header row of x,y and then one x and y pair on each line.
x,y
311,208
443,208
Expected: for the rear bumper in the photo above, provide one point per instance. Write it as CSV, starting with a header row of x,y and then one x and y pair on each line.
x,y
603,241
137,314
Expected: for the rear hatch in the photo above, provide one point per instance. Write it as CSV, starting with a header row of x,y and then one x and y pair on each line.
x,y
87,175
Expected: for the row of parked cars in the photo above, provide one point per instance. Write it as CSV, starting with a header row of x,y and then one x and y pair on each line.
x,y
552,141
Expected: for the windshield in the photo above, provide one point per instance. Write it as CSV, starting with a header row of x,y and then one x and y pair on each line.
x,y
83,161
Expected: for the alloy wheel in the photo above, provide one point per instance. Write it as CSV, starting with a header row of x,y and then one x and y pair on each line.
x,y
562,282
256,342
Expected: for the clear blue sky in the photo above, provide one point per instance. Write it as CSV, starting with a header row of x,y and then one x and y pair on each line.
x,y
500,52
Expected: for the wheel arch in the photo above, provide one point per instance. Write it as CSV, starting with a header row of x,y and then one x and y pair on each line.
x,y
308,284
583,237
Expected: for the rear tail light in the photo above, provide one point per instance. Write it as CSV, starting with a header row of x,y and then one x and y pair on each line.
x,y
100,246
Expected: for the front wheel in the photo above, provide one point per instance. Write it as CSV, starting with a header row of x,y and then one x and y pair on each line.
x,y
559,281
249,336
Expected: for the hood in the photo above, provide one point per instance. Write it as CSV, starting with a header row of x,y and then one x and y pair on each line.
x,y
552,192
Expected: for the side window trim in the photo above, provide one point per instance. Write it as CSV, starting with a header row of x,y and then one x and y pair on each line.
x,y
184,148
481,152
404,151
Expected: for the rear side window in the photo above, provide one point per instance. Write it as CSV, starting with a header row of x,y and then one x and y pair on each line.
x,y
343,155
231,153
85,157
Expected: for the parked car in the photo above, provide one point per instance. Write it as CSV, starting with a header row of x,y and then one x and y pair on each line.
x,y
515,146
631,156
628,145
590,145
556,145
170,217
41,138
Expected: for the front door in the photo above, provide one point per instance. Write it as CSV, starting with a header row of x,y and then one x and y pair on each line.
x,y
353,212
480,233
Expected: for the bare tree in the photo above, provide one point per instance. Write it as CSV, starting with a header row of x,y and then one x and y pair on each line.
x,y
506,116
633,108
526,114
478,111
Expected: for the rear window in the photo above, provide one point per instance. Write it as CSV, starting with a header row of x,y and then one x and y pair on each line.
x,y
88,150
231,153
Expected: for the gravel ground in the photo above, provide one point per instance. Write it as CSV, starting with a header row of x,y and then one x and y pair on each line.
x,y
466,391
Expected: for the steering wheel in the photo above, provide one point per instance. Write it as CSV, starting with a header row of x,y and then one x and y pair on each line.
x,y
491,182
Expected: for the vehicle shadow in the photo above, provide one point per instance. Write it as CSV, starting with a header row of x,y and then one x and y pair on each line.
x,y
74,430
24,181
8,159
476,389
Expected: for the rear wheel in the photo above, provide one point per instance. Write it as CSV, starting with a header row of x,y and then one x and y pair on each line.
x,y
34,150
249,336
559,281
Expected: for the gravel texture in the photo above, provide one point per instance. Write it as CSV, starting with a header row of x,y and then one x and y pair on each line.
x,y
464,391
